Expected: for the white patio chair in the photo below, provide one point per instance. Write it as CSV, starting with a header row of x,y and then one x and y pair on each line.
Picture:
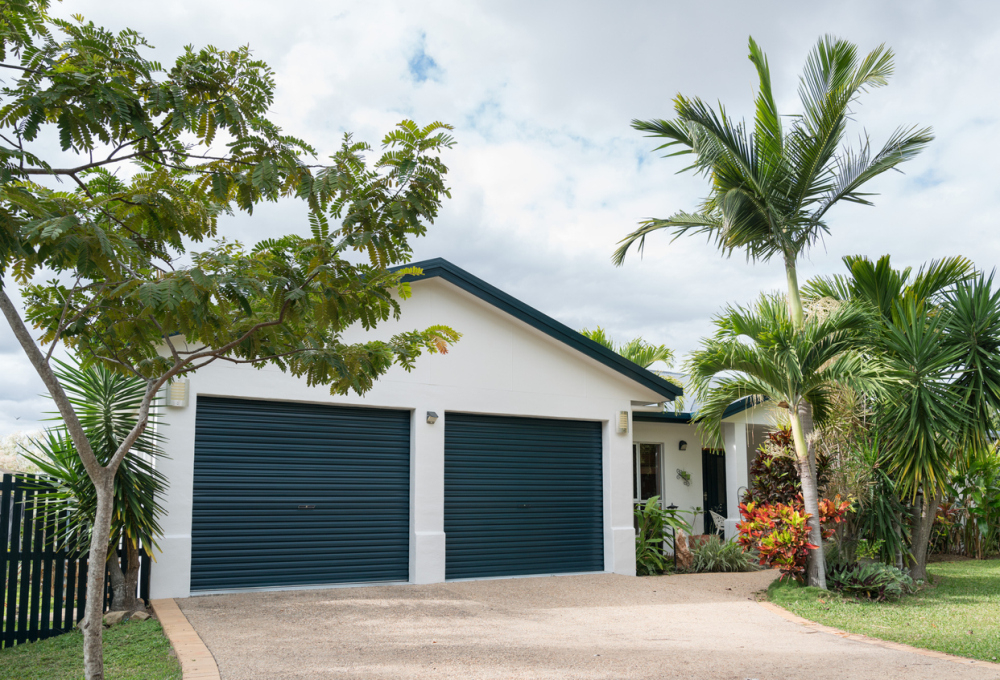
x,y
720,524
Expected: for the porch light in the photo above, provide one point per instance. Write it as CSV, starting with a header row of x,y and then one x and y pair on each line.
x,y
683,446
431,417
623,422
177,393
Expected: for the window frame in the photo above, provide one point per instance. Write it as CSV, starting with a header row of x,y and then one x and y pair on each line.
x,y
637,470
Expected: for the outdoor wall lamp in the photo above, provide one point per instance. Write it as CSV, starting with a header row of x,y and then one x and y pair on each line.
x,y
431,417
623,422
683,446
177,393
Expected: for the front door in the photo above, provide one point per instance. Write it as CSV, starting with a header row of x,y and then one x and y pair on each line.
x,y
713,474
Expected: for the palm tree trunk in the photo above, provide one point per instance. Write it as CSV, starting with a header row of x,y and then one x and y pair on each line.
x,y
810,498
794,297
924,511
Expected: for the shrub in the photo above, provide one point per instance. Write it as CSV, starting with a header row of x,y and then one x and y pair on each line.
x,y
779,533
875,581
773,476
718,555
651,539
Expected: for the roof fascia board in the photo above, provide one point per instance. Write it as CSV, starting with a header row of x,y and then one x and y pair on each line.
x,y
441,268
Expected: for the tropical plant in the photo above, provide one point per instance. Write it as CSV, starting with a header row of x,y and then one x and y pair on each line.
x,y
107,404
772,187
879,512
779,533
978,492
758,353
652,540
773,474
714,555
937,332
149,158
637,350
874,581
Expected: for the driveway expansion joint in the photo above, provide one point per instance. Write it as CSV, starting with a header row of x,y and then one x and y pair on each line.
x,y
197,662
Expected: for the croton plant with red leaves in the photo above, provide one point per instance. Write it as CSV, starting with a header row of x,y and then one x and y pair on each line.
x,y
780,532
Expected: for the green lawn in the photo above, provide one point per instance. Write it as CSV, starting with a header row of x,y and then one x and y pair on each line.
x,y
132,651
958,614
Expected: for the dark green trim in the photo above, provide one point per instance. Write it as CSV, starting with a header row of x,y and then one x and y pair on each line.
x,y
661,417
669,417
457,276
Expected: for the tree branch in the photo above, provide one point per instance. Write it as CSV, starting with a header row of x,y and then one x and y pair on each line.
x,y
66,410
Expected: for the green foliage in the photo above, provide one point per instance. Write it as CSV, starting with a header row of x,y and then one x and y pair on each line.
x,y
879,512
656,529
107,404
875,581
637,350
869,550
977,492
757,352
771,186
137,650
715,555
773,475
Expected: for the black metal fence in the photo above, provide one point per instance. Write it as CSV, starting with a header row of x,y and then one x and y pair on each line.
x,y
45,590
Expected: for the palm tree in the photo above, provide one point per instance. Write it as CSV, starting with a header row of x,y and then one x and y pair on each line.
x,y
637,350
938,335
772,187
760,353
107,403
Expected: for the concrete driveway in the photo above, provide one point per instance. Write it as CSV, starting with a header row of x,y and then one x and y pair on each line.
x,y
588,627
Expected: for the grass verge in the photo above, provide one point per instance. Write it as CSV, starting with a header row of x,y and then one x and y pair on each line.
x,y
137,650
959,614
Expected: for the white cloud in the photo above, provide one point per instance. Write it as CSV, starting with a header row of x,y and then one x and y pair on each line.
x,y
547,174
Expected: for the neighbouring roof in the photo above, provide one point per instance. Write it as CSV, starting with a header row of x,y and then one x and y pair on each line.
x,y
441,268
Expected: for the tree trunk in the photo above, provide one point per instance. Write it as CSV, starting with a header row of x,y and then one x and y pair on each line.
x,y
924,511
125,579
810,498
794,296
93,618
813,565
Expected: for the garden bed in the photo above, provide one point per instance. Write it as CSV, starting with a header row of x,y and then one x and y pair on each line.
x,y
136,650
958,614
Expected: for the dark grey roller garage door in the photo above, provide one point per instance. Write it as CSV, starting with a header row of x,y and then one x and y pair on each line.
x,y
298,494
522,496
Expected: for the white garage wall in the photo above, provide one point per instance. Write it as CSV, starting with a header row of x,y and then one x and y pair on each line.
x,y
501,366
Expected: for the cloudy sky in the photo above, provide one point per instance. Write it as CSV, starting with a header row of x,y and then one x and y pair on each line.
x,y
547,174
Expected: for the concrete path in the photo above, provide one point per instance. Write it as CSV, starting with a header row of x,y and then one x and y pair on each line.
x,y
702,627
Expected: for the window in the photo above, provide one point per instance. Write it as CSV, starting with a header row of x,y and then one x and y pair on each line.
x,y
646,463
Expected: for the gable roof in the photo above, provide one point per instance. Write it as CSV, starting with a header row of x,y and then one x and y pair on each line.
x,y
441,268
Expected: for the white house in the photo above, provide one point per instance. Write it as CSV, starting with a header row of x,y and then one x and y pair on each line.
x,y
519,452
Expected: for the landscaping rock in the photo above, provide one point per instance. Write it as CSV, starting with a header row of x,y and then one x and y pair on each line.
x,y
684,556
114,618
139,616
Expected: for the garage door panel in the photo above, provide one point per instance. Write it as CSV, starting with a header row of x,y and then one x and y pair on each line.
x,y
257,462
522,496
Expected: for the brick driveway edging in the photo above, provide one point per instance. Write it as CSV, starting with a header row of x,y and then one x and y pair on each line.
x,y
858,637
197,663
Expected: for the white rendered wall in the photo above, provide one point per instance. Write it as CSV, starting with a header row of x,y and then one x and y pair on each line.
x,y
500,366
669,436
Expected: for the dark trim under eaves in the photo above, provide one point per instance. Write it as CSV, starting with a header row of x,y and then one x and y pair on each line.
x,y
457,276
670,417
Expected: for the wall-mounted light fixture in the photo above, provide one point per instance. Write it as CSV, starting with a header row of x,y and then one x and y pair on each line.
x,y
177,393
683,446
623,422
431,417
